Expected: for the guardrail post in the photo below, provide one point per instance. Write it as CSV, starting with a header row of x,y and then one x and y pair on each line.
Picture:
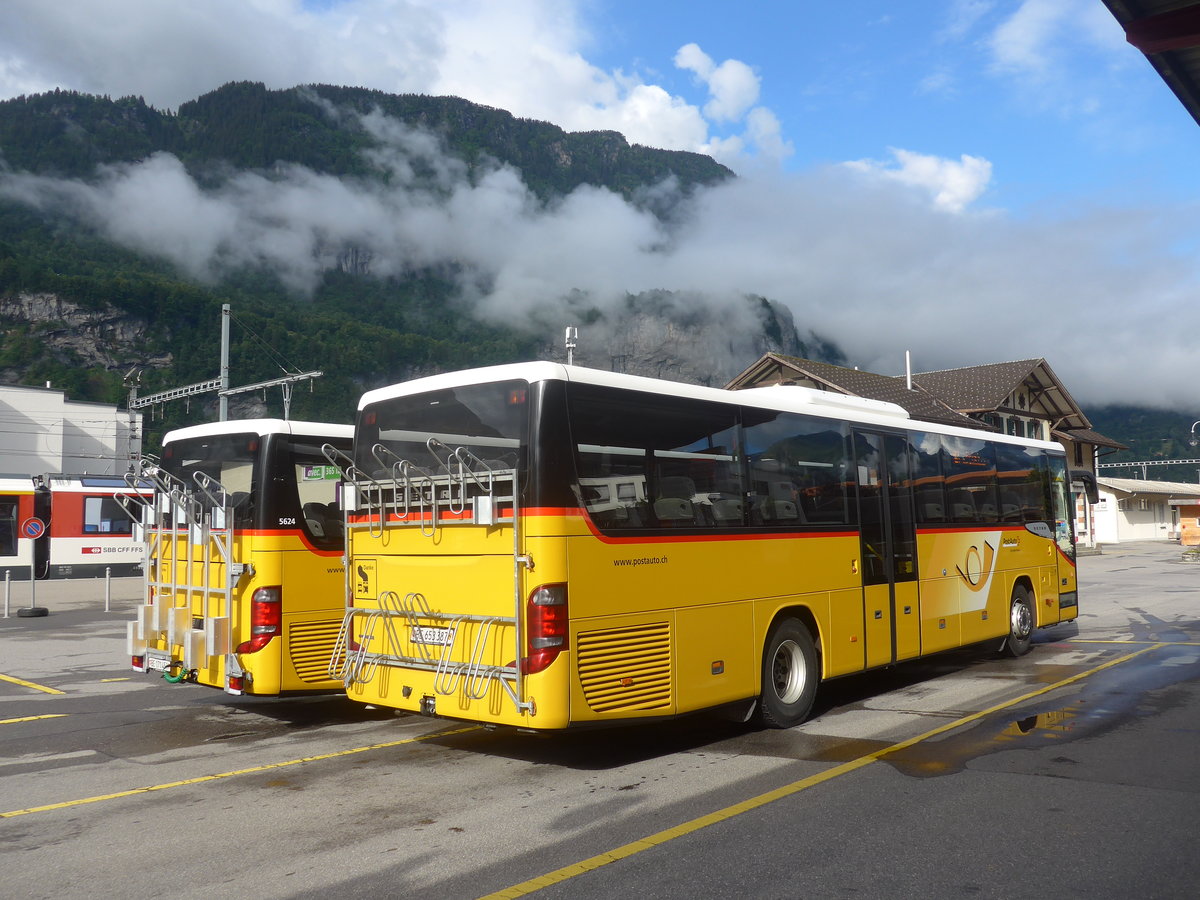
x,y
7,590
107,586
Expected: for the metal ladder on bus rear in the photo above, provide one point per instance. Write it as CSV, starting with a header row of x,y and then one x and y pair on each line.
x,y
466,491
183,532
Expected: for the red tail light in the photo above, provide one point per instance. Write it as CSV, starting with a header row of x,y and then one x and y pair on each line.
x,y
546,626
266,619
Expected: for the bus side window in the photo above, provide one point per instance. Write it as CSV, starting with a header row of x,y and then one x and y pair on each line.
x,y
647,462
1022,478
798,469
929,484
970,468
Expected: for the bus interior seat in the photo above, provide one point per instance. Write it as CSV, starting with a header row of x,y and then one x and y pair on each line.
x,y
315,519
324,520
725,502
674,503
962,505
778,505
727,511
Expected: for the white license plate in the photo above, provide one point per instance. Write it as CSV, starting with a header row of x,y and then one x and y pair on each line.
x,y
441,637
158,663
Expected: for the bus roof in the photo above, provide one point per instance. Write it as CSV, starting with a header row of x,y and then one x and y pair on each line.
x,y
261,427
785,398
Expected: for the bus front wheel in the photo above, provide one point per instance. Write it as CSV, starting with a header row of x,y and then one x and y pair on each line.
x,y
1020,623
789,675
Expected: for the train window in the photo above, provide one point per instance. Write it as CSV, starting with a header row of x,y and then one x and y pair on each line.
x,y
103,515
8,527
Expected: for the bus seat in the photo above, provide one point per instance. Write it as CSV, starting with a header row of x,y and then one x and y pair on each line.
x,y
934,512
962,506
674,503
315,518
727,511
773,510
674,509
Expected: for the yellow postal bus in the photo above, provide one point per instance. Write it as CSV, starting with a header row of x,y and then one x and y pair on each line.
x,y
245,566
545,546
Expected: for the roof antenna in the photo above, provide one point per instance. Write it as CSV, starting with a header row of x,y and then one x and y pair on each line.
x,y
572,337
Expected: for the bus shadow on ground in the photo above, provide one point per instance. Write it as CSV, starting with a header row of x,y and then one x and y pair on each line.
x,y
626,743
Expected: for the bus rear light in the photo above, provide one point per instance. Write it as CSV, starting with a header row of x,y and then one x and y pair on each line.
x,y
138,663
235,684
546,626
266,618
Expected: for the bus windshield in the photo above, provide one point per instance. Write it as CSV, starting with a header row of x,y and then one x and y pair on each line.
x,y
483,421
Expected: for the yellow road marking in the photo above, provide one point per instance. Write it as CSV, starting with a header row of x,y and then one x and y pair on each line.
x,y
252,770
32,718
111,680
1134,643
729,812
30,684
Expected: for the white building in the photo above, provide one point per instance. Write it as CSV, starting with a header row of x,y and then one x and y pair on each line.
x,y
1132,509
42,432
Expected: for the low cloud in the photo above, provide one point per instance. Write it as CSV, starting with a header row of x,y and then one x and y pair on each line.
x,y
876,265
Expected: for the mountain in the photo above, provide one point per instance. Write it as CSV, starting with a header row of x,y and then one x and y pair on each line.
x,y
123,229
1152,435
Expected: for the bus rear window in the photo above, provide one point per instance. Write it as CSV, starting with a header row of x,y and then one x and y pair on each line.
x,y
483,423
230,459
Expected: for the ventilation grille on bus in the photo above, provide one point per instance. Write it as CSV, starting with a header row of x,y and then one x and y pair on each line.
x,y
310,644
624,669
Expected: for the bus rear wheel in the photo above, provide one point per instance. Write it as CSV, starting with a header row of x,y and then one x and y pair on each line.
x,y
1020,623
789,675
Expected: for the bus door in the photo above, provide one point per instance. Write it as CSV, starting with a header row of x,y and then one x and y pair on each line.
x,y
889,547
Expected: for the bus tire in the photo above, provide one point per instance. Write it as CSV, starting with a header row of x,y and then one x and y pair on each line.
x,y
789,675
1020,623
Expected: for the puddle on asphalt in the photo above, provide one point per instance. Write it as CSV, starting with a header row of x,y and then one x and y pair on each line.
x,y
1103,702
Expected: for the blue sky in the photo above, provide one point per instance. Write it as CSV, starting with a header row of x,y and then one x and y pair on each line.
x,y
1062,108
974,180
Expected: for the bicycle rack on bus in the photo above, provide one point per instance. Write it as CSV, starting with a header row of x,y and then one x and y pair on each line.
x,y
414,497
188,532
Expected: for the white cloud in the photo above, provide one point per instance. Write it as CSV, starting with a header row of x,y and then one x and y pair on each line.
x,y
1023,42
732,85
733,90
962,16
952,185
860,258
1049,45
